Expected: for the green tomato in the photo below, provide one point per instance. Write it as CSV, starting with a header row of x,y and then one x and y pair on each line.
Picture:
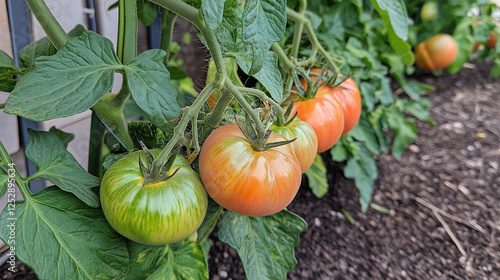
x,y
429,11
155,213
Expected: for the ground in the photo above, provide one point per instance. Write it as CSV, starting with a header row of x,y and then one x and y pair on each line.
x,y
452,168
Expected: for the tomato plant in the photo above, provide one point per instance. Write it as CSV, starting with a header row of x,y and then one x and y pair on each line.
x,y
248,181
305,145
260,51
153,213
436,52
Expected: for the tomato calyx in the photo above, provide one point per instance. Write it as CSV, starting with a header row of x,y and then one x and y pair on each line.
x,y
259,144
146,171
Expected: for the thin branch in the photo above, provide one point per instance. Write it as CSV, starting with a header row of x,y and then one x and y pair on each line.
x,y
450,233
470,224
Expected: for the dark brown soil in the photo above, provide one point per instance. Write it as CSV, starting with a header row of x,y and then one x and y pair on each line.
x,y
453,166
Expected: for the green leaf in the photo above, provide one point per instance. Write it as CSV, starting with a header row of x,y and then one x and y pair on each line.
x,y
395,17
65,137
419,109
211,218
146,12
43,47
412,87
495,70
28,54
55,164
269,75
384,93
149,82
149,134
60,237
7,72
264,22
377,119
316,176
181,260
229,32
4,179
364,132
67,83
405,130
144,259
264,244
465,42
184,260
339,152
367,90
363,169
213,11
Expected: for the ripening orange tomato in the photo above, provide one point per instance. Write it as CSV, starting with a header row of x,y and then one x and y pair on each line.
x,y
246,181
324,114
435,53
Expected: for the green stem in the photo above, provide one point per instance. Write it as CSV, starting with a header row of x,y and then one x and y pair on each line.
x,y
167,31
110,111
262,96
216,116
180,128
283,58
22,183
259,126
190,14
299,26
2,105
48,22
300,18
315,42
97,130
127,31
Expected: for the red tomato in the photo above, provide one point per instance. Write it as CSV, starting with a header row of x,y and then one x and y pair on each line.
x,y
324,113
306,144
436,52
246,181
350,99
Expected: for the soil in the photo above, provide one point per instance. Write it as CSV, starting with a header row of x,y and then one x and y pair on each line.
x,y
453,168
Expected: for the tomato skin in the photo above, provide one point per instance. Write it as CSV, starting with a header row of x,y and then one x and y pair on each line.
x,y
323,113
492,41
429,11
160,213
436,52
350,99
306,144
245,181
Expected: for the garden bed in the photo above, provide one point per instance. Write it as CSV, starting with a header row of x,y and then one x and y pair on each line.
x,y
453,166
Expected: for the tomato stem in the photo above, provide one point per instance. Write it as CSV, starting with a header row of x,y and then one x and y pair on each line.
x,y
48,22
127,37
259,126
191,112
167,31
283,58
